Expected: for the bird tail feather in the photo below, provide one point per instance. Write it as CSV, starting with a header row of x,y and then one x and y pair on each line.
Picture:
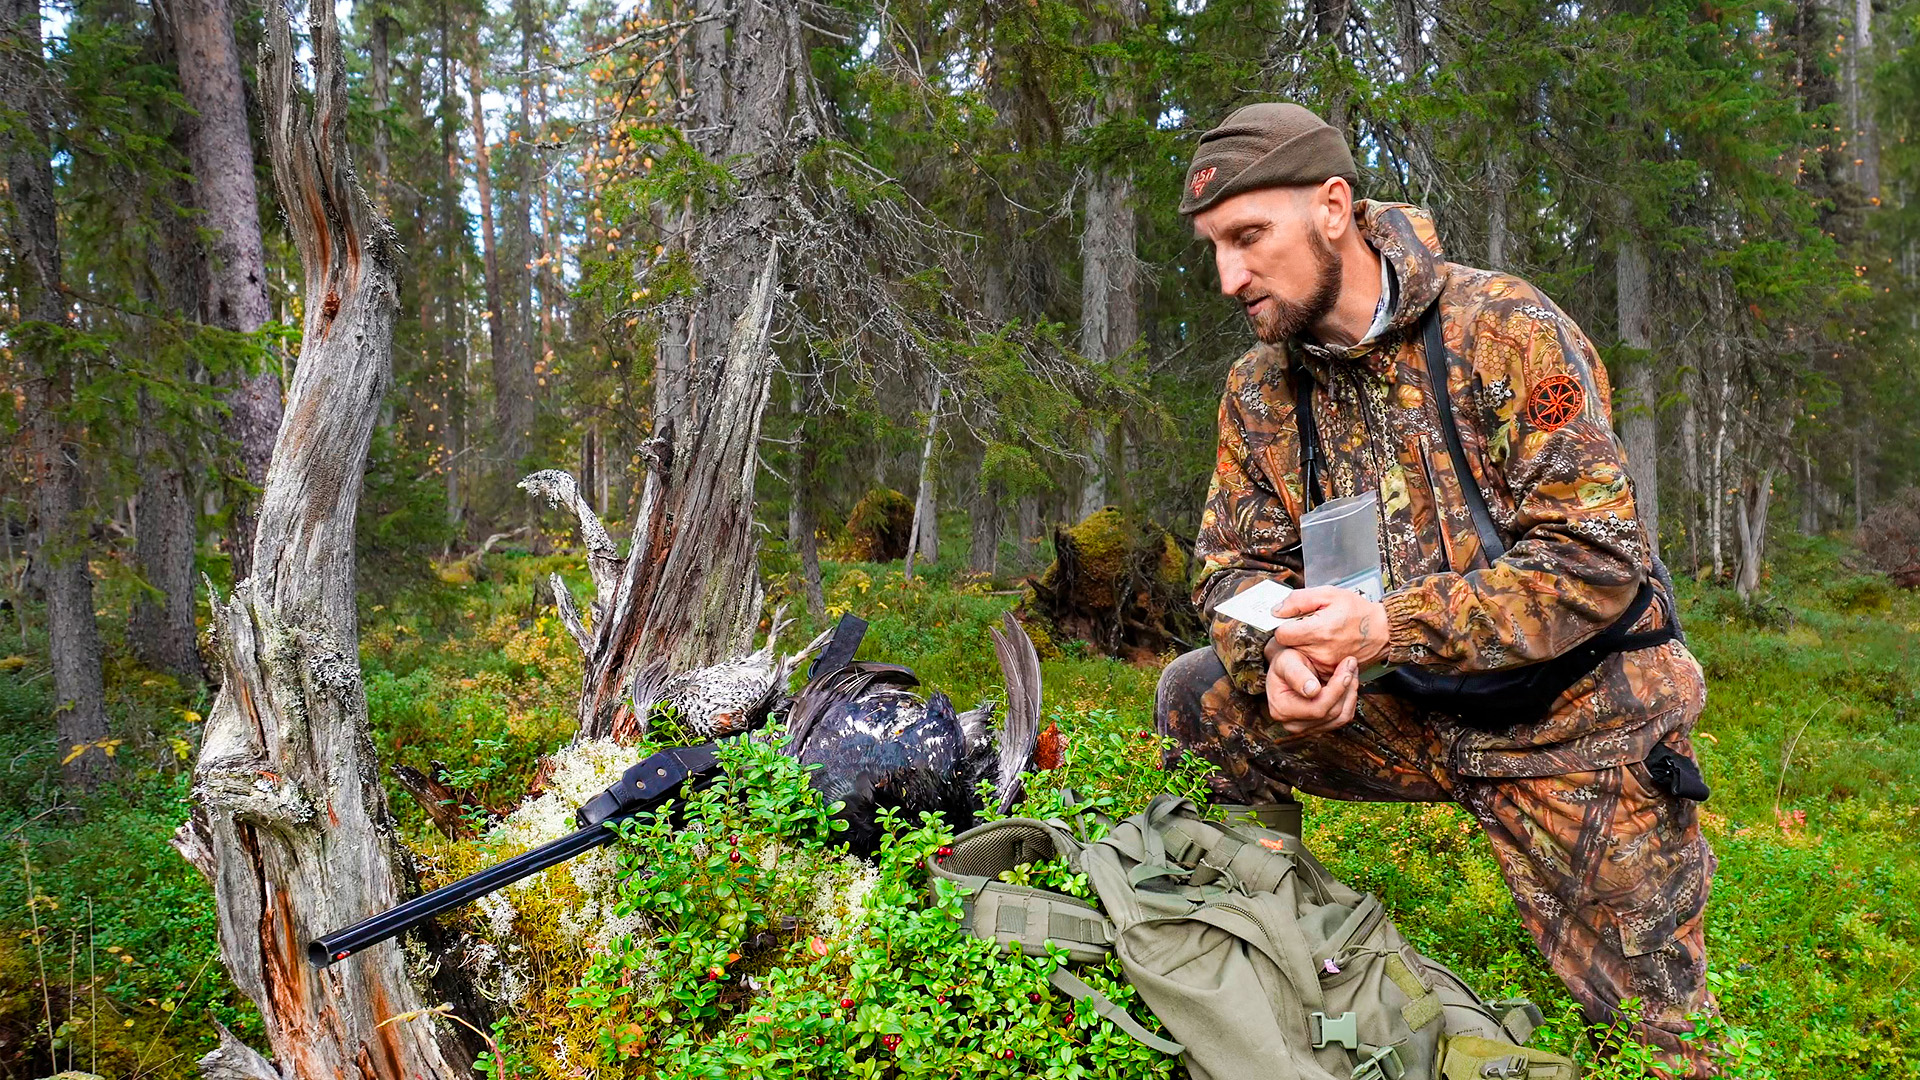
x,y
649,682
1020,666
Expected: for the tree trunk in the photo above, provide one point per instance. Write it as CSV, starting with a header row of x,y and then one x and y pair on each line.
x,y
1750,522
989,517
221,152
504,255
1717,481
1329,28
1029,530
1497,237
514,414
1690,475
923,537
451,286
803,517
290,822
1861,148
689,592
160,629
1809,498
55,450
1639,398
1109,286
380,83
1859,482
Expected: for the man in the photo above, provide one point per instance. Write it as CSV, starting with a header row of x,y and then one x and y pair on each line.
x,y
1606,863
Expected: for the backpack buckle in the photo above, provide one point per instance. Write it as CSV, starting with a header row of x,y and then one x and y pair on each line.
x,y
1343,1029
1384,1064
1510,1067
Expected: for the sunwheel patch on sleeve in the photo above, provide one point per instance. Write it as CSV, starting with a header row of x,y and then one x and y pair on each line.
x,y
1555,402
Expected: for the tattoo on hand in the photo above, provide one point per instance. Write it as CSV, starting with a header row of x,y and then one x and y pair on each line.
x,y
1366,627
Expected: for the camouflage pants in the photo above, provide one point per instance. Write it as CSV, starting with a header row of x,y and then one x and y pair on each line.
x,y
1609,873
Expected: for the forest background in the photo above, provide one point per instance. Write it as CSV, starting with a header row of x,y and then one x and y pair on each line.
x,y
985,321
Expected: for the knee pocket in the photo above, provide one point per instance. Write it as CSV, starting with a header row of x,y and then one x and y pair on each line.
x,y
1658,873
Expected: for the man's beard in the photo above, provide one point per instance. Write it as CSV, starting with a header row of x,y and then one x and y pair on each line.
x,y
1286,319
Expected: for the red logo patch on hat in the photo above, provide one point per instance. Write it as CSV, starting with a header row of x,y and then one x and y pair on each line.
x,y
1555,402
1200,179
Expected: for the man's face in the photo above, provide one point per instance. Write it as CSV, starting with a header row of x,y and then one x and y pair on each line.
x,y
1274,258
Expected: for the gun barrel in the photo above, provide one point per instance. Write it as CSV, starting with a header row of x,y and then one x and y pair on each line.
x,y
645,785
341,944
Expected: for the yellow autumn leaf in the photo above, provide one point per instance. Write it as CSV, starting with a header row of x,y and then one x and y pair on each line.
x,y
74,753
189,716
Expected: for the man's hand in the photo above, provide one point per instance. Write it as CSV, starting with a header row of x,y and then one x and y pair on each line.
x,y
1303,703
1327,624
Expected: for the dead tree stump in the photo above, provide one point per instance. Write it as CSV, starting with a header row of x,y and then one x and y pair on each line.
x,y
688,592
1118,584
290,822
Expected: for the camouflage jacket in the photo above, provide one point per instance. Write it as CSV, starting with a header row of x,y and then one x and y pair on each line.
x,y
1531,401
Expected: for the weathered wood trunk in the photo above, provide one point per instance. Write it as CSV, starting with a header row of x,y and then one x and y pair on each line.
x,y
290,822
222,156
54,451
688,591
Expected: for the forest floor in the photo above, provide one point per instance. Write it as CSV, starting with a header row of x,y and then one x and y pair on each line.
x,y
1811,741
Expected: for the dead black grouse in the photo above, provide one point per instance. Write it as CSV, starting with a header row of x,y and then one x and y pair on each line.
x,y
879,744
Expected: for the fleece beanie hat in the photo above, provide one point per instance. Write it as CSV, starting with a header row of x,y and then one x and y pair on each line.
x,y
1272,144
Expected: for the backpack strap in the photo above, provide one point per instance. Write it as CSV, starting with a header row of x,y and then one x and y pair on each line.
x,y
1470,1057
1491,545
1018,914
1312,460
1071,985
1031,919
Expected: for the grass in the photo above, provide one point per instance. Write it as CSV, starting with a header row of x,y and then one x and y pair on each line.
x,y
1811,741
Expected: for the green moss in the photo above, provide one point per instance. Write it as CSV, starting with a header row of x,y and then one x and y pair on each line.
x,y
877,529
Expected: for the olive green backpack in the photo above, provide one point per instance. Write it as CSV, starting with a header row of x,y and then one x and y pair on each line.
x,y
1252,956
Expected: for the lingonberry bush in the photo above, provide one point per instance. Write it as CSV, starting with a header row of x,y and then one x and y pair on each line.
x,y
764,951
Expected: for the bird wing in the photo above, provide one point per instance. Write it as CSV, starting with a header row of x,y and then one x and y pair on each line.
x,y
1020,666
838,687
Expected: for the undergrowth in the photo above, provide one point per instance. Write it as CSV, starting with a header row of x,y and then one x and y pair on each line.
x,y
1810,742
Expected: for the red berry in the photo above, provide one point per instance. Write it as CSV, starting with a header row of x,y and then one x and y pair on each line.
x,y
1007,1053
942,999
819,1040
734,839
944,851
1034,998
846,1003
891,1042
734,855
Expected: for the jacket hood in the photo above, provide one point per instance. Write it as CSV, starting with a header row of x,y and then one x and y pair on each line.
x,y
1405,236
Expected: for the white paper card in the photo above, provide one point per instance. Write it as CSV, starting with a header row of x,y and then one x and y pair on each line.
x,y
1255,606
